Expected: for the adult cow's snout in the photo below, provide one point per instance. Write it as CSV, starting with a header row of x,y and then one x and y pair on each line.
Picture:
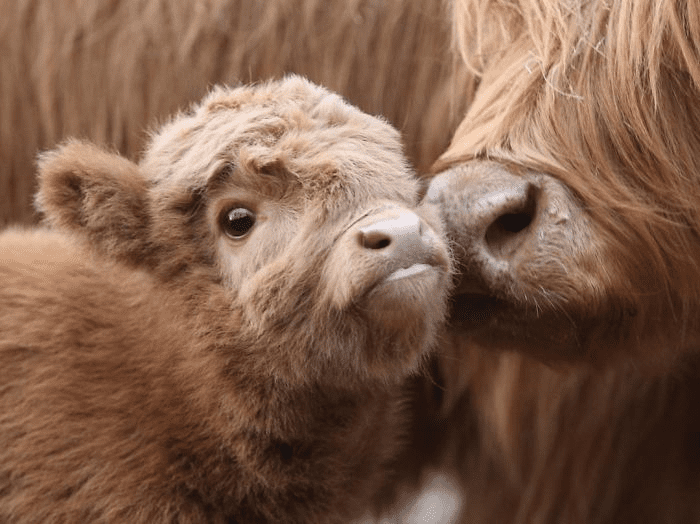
x,y
516,233
497,218
496,215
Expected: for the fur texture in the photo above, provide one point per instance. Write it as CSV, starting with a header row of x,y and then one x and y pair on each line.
x,y
105,70
597,98
158,366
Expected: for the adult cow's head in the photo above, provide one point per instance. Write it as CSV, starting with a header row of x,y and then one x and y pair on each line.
x,y
571,190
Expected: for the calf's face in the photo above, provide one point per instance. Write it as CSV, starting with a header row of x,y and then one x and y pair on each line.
x,y
290,207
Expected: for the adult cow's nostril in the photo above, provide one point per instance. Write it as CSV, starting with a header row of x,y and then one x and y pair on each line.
x,y
510,223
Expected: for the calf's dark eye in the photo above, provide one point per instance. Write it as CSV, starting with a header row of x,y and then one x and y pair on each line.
x,y
237,222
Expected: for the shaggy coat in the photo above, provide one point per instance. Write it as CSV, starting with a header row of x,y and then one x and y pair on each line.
x,y
106,69
572,190
597,101
219,333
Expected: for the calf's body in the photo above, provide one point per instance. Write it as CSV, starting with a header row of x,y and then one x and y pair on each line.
x,y
220,333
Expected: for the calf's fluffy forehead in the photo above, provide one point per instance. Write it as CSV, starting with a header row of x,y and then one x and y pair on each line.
x,y
313,136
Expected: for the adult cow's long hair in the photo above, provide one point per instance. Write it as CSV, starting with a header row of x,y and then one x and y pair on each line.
x,y
108,69
603,97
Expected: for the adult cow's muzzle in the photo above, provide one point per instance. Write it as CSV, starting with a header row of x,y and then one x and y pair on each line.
x,y
526,272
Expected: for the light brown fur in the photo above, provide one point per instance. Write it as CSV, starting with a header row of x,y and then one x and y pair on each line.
x,y
599,95
105,70
153,369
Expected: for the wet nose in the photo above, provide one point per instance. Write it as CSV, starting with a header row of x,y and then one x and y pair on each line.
x,y
506,223
399,237
488,211
396,231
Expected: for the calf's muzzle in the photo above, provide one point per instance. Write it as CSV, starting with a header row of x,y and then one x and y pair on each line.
x,y
400,240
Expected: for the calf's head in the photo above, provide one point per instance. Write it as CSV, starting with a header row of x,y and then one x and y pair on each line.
x,y
290,214
571,188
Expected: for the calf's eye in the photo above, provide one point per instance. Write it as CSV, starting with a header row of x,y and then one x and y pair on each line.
x,y
237,222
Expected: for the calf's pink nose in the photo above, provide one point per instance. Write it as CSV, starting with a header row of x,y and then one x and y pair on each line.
x,y
392,232
398,235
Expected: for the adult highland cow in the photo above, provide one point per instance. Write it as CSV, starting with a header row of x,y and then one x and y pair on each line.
x,y
572,192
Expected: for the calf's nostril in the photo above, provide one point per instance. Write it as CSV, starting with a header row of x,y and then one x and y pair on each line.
x,y
395,229
375,239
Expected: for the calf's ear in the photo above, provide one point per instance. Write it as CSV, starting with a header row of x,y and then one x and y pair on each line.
x,y
99,195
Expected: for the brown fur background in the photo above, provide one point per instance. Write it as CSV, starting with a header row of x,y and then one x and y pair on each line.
x,y
108,70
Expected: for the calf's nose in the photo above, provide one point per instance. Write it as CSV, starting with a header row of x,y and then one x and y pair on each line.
x,y
400,231
399,237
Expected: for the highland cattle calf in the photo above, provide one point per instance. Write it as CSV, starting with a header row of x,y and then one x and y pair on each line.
x,y
220,332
